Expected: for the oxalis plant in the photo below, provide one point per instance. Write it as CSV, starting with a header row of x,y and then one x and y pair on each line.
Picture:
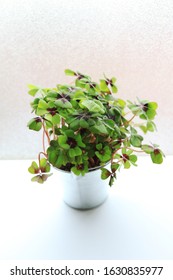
x,y
85,126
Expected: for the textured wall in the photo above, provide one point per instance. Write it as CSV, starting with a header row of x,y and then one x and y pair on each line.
x,y
132,40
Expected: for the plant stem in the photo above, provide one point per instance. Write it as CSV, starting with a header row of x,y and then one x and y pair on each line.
x,y
129,121
129,148
39,156
53,129
62,122
46,132
138,151
92,161
134,115
114,154
43,141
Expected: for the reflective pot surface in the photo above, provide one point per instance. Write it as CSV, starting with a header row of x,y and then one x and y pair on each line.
x,y
83,192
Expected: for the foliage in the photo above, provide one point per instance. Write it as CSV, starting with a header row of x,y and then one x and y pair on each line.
x,y
86,126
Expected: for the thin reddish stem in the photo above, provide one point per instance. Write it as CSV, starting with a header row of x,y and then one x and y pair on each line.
x,y
46,132
43,141
138,151
39,156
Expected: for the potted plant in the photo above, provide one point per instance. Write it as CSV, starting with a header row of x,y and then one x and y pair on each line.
x,y
88,135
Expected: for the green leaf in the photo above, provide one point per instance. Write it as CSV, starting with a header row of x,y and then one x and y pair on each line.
x,y
153,105
41,112
136,140
134,108
151,126
105,173
42,104
69,132
120,102
44,165
114,89
75,171
113,79
61,159
43,162
126,164
63,103
41,178
156,156
52,155
147,149
75,124
30,86
84,123
92,106
33,90
99,146
69,72
100,128
34,103
114,167
33,169
55,119
52,95
103,155
79,95
133,158
109,124
111,181
72,153
151,114
78,151
148,110
62,139
79,83
124,151
35,124
103,85
133,130
143,128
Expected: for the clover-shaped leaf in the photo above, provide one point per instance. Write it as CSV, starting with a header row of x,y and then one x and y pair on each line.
x,y
62,140
155,153
111,180
33,169
104,154
63,103
105,173
40,178
35,124
136,140
44,165
53,118
93,106
157,156
33,90
114,167
104,85
69,72
148,110
80,169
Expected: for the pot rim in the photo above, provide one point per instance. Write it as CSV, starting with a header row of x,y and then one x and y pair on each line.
x,y
90,169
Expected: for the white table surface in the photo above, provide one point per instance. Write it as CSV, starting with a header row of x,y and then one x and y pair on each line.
x,y
135,222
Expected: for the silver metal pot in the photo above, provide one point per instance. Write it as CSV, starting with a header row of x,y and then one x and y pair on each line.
x,y
83,192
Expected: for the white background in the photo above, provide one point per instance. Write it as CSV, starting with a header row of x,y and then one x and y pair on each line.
x,y
132,40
